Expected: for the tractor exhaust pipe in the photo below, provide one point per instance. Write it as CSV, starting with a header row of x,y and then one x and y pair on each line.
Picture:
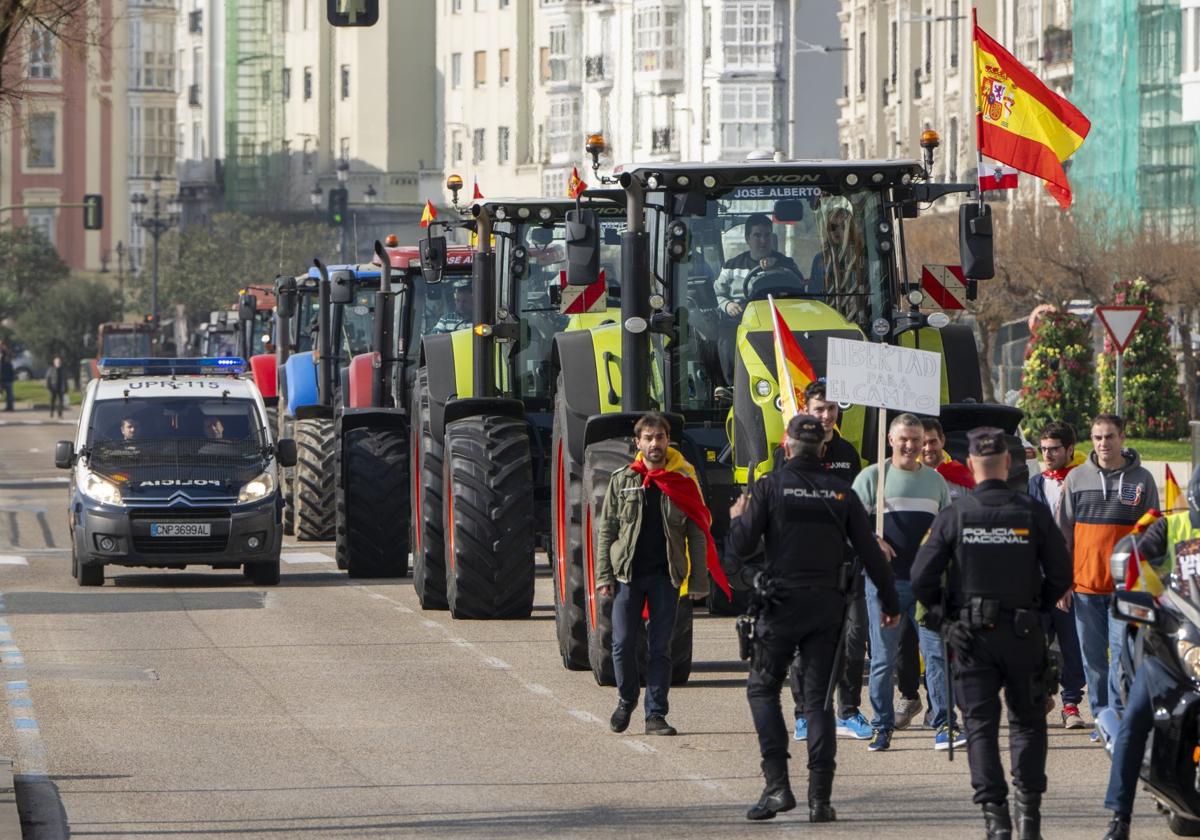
x,y
635,303
324,368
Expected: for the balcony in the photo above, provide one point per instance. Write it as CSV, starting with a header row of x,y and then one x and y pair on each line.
x,y
194,95
662,140
596,69
1059,46
196,22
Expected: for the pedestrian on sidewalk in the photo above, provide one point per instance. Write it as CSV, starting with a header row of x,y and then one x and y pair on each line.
x,y
56,384
653,520
1102,501
6,376
1057,445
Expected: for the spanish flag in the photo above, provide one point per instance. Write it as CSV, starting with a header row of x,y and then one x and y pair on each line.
x,y
1139,574
1020,121
428,214
478,195
792,368
575,184
1171,494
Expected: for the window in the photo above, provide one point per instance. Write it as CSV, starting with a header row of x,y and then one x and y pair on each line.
x,y
894,53
705,115
455,7
954,29
42,151
287,14
287,83
862,63
41,53
345,81
478,139
502,148
706,32
456,70
152,54
197,141
927,41
42,220
456,146
559,58
656,43
344,149
308,84
480,68
266,86
563,130
747,117
748,34
505,67
952,156
152,143
544,63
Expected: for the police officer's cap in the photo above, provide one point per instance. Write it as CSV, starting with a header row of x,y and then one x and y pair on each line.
x,y
806,429
986,440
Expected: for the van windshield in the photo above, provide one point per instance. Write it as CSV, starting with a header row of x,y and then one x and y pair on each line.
x,y
219,424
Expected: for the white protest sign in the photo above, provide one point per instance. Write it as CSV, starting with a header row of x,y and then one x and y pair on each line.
x,y
884,376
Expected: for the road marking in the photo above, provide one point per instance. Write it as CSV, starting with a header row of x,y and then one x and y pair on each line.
x,y
13,560
539,689
30,761
638,746
462,643
34,450
493,662
302,557
583,715
429,622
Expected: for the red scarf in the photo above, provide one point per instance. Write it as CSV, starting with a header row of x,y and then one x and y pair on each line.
x,y
1058,475
956,473
675,481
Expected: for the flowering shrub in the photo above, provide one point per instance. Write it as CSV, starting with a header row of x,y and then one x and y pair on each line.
x,y
1154,406
1057,379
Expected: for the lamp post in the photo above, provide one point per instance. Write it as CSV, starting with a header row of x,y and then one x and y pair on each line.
x,y
156,224
343,176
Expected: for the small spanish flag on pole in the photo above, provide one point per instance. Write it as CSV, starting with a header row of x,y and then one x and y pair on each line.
x,y
1171,494
478,195
428,214
792,367
1139,574
575,184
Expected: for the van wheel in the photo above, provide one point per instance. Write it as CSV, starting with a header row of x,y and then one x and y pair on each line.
x,y
91,574
263,574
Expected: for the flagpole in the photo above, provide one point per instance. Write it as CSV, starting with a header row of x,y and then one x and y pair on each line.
x,y
978,111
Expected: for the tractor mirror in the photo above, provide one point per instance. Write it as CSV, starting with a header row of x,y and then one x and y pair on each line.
x,y
341,287
542,235
247,307
789,211
975,241
433,258
285,452
285,297
583,247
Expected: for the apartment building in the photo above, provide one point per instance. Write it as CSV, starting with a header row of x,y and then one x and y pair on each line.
x,y
200,106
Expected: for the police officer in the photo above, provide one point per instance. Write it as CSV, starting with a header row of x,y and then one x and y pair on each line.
x,y
1008,565
807,515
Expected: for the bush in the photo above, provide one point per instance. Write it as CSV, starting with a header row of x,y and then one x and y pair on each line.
x,y
1154,406
1057,381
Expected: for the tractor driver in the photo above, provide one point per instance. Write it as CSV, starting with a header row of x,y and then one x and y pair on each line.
x,y
458,315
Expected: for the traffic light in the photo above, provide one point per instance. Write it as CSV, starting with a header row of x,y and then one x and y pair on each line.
x,y
339,197
93,212
352,12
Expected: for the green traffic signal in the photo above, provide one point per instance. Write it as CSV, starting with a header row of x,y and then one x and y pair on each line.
x,y
352,12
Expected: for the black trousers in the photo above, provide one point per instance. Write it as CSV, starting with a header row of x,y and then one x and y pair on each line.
x,y
808,623
850,680
56,403
1001,660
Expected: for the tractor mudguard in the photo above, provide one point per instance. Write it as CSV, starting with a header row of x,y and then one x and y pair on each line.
x,y
262,367
361,381
590,361
448,358
300,372
375,418
314,412
461,409
620,425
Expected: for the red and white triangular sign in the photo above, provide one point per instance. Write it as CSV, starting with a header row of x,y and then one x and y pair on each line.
x,y
1121,321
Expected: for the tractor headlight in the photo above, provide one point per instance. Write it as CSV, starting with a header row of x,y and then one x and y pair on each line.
x,y
257,488
95,486
1189,652
763,388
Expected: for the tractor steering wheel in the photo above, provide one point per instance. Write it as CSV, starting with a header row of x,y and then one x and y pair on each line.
x,y
779,279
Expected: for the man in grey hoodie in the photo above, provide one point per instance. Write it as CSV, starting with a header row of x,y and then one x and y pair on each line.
x,y
1102,500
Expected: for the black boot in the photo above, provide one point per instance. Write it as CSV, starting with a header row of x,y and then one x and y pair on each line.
x,y
820,785
1118,829
1027,815
777,795
997,821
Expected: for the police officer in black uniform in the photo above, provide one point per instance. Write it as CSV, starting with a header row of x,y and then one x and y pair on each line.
x,y
807,516
1008,565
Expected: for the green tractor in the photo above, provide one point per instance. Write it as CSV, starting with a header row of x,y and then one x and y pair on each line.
x,y
482,411
706,246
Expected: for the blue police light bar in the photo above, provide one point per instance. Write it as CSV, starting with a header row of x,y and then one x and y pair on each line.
x,y
217,366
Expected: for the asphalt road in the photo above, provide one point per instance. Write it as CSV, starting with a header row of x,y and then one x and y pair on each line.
x,y
196,704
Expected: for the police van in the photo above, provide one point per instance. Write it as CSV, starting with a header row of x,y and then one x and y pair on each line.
x,y
174,465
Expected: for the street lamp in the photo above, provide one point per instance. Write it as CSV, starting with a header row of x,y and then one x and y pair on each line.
x,y
343,171
370,195
156,224
315,196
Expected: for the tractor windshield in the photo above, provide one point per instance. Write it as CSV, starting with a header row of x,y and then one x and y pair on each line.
x,y
358,323
129,345
788,242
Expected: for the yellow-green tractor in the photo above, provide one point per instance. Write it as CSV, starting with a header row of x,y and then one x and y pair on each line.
x,y
705,246
482,408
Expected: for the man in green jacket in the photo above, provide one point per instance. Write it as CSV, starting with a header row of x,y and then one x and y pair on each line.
x,y
651,544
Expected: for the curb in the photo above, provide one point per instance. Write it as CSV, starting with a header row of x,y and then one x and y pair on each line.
x,y
10,817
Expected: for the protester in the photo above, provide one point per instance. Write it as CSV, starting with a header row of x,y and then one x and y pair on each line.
x,y
56,384
7,375
959,480
1102,500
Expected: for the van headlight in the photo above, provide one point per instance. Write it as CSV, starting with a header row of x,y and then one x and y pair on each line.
x,y
257,488
95,486
1189,652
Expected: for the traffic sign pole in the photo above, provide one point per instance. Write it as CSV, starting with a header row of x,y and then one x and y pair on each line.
x,y
1119,398
1120,322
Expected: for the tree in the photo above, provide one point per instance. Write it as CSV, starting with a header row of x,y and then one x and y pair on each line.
x,y
30,266
204,266
59,321
1059,382
1153,399
56,23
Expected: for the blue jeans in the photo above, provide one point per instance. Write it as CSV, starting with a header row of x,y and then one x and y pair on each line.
x,y
1099,633
628,599
1150,684
885,648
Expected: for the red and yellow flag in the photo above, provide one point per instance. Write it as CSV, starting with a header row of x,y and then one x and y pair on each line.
x,y
1171,494
428,214
1139,574
478,195
792,367
575,185
1020,121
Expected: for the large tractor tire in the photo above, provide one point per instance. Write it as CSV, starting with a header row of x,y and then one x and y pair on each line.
x,y
488,518
429,552
566,544
340,543
600,461
373,506
315,479
287,483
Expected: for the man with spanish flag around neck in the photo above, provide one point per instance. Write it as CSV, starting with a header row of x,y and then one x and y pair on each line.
x,y
654,527
1170,542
